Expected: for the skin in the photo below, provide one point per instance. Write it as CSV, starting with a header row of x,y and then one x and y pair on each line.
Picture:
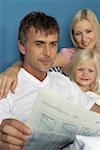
x,y
13,134
40,52
85,35
85,74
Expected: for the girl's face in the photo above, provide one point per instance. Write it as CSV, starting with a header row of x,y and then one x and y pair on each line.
x,y
85,74
85,35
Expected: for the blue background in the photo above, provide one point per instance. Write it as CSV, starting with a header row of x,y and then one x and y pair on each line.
x,y
12,11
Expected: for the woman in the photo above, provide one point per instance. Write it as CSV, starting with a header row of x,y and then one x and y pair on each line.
x,y
84,32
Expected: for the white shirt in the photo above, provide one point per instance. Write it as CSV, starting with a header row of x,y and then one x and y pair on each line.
x,y
94,97
19,105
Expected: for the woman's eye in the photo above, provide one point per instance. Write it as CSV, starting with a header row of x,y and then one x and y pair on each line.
x,y
77,33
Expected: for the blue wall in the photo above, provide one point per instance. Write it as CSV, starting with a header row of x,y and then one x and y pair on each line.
x,y
12,11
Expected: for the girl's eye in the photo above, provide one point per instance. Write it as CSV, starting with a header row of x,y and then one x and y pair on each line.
x,y
80,69
90,70
89,31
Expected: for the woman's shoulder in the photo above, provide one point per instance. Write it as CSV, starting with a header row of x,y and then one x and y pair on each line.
x,y
67,51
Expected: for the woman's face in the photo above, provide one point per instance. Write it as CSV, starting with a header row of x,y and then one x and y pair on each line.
x,y
85,35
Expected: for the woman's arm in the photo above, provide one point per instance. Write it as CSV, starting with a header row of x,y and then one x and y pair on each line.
x,y
8,79
95,108
63,58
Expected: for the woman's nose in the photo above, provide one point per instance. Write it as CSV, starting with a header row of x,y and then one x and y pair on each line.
x,y
84,37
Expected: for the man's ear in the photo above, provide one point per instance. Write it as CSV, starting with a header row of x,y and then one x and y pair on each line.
x,y
21,47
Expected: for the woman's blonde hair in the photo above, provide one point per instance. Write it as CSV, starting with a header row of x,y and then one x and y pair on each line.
x,y
82,55
91,17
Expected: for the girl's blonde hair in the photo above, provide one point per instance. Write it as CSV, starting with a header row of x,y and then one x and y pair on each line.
x,y
82,55
91,17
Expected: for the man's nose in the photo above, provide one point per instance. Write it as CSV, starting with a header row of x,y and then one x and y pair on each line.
x,y
46,50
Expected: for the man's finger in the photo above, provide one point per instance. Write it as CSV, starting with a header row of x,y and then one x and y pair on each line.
x,y
12,140
8,131
18,125
7,146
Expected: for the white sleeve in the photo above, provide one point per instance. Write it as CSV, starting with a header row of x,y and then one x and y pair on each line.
x,y
4,110
81,98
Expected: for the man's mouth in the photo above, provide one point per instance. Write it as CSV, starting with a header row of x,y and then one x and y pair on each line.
x,y
46,62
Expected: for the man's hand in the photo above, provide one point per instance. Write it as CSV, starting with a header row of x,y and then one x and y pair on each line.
x,y
13,134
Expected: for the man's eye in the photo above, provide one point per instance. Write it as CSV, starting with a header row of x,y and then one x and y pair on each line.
x,y
53,44
39,44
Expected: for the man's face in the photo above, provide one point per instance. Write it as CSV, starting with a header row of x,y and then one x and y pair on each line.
x,y
40,51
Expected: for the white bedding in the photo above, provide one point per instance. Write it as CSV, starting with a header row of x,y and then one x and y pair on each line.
x,y
85,143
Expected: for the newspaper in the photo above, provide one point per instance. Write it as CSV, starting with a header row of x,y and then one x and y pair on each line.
x,y
55,122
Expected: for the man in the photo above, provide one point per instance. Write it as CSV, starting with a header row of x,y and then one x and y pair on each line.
x,y
37,41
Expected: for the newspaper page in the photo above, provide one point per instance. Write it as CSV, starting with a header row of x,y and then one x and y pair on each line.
x,y
55,122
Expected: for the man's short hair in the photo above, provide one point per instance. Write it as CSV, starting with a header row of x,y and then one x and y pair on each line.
x,y
40,22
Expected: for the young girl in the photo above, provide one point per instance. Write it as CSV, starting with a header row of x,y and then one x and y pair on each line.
x,y
84,69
